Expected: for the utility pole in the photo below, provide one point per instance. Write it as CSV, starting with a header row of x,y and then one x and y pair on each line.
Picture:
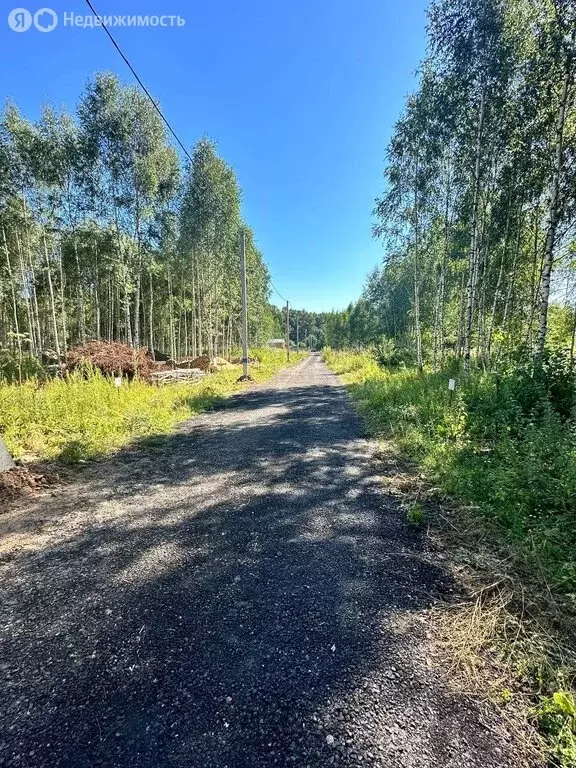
x,y
297,334
288,330
245,375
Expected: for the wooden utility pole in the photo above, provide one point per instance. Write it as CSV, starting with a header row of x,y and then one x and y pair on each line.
x,y
245,375
297,334
288,330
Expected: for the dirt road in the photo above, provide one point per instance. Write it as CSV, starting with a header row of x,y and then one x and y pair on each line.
x,y
242,593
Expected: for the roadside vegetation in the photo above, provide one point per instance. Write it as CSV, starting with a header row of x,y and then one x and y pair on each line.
x,y
477,219
502,445
86,415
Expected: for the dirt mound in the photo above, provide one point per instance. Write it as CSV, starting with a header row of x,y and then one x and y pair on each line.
x,y
21,481
217,363
202,362
111,358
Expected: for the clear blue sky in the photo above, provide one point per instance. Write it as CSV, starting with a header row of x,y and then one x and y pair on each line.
x,y
300,97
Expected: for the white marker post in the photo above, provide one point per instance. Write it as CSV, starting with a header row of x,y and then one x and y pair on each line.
x,y
451,387
6,462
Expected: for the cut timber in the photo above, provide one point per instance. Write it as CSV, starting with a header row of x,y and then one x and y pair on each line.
x,y
184,375
6,461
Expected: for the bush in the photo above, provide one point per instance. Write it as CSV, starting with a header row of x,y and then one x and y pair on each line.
x,y
504,443
386,353
13,370
557,719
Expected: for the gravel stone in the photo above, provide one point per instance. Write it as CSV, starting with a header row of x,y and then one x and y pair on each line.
x,y
240,594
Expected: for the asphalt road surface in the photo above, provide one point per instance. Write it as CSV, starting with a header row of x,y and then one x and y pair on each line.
x,y
241,593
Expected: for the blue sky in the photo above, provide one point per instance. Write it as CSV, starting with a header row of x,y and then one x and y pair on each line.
x,y
300,96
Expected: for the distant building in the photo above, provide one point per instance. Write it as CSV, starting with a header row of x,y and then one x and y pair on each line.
x,y
276,343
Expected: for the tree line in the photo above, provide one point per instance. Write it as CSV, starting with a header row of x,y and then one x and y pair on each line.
x,y
106,234
478,211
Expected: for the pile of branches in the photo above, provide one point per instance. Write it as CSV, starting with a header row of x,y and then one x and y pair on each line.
x,y
112,358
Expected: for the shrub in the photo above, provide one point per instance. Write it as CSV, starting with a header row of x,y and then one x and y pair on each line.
x,y
556,717
504,443
13,369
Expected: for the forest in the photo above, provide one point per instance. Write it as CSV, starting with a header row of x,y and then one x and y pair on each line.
x,y
478,212
477,220
105,236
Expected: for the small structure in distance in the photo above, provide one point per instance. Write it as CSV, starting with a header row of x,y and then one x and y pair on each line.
x,y
276,343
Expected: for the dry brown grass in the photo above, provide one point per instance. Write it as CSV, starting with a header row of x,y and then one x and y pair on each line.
x,y
507,638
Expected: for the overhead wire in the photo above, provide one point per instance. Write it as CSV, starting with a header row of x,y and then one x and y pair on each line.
x,y
152,101
138,80
278,292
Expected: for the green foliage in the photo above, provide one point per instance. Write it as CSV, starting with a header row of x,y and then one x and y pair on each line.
x,y
556,717
415,514
104,235
503,443
13,369
83,417
386,352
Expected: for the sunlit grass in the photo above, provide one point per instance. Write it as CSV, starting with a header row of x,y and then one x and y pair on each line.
x,y
519,471
81,418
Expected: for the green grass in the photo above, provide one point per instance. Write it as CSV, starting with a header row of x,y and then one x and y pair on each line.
x,y
515,462
505,446
415,514
82,418
556,716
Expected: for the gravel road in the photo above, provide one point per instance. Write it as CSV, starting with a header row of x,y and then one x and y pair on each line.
x,y
240,593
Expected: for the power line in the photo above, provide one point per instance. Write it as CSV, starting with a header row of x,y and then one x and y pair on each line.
x,y
277,291
140,83
147,92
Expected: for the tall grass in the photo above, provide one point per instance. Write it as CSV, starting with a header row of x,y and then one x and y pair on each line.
x,y
504,443
84,417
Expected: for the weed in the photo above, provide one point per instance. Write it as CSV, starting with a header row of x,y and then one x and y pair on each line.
x,y
415,514
556,717
86,415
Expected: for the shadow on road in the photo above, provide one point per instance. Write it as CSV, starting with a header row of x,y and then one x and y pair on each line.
x,y
231,595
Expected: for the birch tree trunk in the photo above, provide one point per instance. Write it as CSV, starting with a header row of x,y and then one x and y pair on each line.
x,y
14,305
473,257
52,300
416,274
546,276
